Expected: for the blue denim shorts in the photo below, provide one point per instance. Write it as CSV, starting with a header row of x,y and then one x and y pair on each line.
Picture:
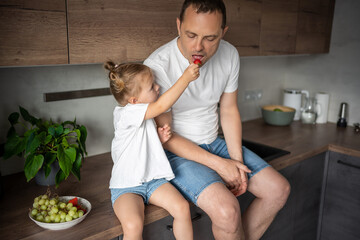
x,y
191,178
145,190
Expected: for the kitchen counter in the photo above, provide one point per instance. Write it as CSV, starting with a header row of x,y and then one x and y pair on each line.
x,y
302,141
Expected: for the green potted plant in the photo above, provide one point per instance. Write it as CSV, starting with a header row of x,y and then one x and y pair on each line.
x,y
43,143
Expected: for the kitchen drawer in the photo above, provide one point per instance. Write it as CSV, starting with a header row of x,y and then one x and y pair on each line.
x,y
341,194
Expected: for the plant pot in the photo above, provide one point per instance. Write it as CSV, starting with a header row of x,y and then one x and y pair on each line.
x,y
40,178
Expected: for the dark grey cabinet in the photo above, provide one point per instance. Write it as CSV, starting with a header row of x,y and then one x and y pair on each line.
x,y
341,198
299,217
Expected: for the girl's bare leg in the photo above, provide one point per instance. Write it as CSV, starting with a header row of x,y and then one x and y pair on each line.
x,y
167,197
129,209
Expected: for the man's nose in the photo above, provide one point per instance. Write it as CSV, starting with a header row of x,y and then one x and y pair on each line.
x,y
199,45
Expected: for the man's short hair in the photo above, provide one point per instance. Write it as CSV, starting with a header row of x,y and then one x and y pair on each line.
x,y
205,6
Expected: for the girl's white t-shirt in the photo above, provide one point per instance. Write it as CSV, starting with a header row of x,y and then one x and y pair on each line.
x,y
136,149
194,115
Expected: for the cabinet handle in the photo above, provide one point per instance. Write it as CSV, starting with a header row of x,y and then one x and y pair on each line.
x,y
193,219
348,164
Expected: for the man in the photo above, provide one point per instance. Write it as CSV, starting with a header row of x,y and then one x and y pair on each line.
x,y
210,171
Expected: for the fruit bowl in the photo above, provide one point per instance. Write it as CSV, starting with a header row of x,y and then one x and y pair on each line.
x,y
277,115
64,225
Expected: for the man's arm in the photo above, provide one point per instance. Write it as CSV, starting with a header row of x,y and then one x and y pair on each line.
x,y
232,129
228,169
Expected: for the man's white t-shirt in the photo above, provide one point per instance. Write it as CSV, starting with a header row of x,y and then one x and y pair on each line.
x,y
194,115
136,149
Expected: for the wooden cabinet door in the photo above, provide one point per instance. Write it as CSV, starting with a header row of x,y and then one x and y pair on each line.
x,y
33,32
118,29
341,208
314,26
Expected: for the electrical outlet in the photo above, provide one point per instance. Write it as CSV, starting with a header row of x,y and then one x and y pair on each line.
x,y
252,95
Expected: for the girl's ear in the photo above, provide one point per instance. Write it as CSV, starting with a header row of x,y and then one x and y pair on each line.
x,y
132,100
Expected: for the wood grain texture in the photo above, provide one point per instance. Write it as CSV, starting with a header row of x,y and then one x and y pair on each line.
x,y
33,32
303,141
314,26
119,30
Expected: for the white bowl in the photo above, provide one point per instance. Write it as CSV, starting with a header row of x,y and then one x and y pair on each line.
x,y
64,225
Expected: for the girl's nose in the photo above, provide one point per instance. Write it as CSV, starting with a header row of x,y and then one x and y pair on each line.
x,y
157,87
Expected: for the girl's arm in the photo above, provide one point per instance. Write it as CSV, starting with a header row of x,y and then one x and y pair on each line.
x,y
168,99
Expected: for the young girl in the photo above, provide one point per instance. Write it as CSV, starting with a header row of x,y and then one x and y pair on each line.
x,y
141,169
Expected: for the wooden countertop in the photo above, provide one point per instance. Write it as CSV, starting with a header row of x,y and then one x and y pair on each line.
x,y
303,141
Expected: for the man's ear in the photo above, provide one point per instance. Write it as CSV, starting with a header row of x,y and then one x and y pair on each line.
x,y
226,28
132,100
178,24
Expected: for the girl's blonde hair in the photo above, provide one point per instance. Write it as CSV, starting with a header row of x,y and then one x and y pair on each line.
x,y
122,83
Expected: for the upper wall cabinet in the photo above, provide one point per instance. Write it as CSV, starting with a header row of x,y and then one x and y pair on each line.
x,y
280,27
33,32
41,32
119,30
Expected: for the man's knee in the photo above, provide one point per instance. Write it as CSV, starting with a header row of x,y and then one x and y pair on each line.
x,y
281,192
227,217
133,226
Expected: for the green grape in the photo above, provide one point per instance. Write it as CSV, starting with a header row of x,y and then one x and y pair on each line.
x,y
47,202
41,201
74,209
81,213
35,204
62,220
44,213
68,218
71,213
53,201
69,206
43,207
62,205
62,215
44,196
47,219
34,212
40,218
57,218
76,215
52,217
54,210
36,199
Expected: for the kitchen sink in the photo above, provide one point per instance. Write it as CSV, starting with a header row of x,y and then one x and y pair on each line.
x,y
265,152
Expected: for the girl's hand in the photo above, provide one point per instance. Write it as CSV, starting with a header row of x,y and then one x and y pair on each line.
x,y
164,133
192,72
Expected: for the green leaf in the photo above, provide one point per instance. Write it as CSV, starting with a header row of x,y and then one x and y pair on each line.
x,y
60,176
76,166
48,161
65,142
59,130
34,141
66,131
71,154
13,146
14,118
47,139
83,138
27,116
33,164
65,162
51,131
11,132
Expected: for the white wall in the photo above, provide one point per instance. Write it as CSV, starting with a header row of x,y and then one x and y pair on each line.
x,y
337,73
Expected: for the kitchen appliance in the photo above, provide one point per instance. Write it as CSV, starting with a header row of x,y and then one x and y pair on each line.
x,y
310,111
322,99
342,115
293,98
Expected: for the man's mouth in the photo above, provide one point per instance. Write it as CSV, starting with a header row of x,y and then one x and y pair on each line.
x,y
199,57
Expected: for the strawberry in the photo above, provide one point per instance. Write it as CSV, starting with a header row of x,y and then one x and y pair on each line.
x,y
197,61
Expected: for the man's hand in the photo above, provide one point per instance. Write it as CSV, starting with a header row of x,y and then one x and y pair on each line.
x,y
233,173
164,133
